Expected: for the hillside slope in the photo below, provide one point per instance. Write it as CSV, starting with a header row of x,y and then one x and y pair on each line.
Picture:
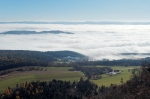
x,y
18,58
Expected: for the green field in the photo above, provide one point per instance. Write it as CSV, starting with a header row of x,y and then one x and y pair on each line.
x,y
60,73
115,79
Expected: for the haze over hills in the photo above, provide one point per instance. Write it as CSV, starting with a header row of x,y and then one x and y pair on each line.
x,y
96,41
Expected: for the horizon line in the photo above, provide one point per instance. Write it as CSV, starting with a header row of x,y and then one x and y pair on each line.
x,y
78,22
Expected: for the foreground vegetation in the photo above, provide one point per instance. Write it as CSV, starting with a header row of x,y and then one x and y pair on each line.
x,y
59,73
55,89
136,88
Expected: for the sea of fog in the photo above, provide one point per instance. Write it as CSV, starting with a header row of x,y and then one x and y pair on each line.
x,y
95,41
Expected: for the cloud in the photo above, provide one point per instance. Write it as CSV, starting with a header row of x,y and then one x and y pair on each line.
x,y
96,41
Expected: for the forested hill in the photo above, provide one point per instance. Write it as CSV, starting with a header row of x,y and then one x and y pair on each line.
x,y
19,58
35,32
38,54
62,54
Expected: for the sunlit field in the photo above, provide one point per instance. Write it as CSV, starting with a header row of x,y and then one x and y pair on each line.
x,y
59,73
116,79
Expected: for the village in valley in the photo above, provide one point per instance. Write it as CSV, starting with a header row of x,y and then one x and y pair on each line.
x,y
113,72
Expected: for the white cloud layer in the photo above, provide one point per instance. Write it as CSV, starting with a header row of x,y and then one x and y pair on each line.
x,y
96,41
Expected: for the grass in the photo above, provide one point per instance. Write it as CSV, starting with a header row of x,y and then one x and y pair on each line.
x,y
115,79
58,68
62,73
59,73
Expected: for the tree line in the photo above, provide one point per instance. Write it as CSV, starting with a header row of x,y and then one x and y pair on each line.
x,y
55,89
92,72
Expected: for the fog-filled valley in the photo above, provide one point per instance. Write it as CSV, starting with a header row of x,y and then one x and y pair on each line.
x,y
96,41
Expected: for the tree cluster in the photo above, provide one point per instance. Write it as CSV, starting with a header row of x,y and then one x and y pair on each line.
x,y
55,89
92,72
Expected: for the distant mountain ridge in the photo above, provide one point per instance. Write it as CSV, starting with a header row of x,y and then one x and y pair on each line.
x,y
35,32
50,54
135,53
85,22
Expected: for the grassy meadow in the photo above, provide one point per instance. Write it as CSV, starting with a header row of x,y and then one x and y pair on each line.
x,y
116,79
62,73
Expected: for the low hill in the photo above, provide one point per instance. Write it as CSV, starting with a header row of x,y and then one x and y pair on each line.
x,y
35,32
62,54
18,58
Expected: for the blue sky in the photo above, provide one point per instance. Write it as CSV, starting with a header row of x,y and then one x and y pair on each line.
x,y
74,10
